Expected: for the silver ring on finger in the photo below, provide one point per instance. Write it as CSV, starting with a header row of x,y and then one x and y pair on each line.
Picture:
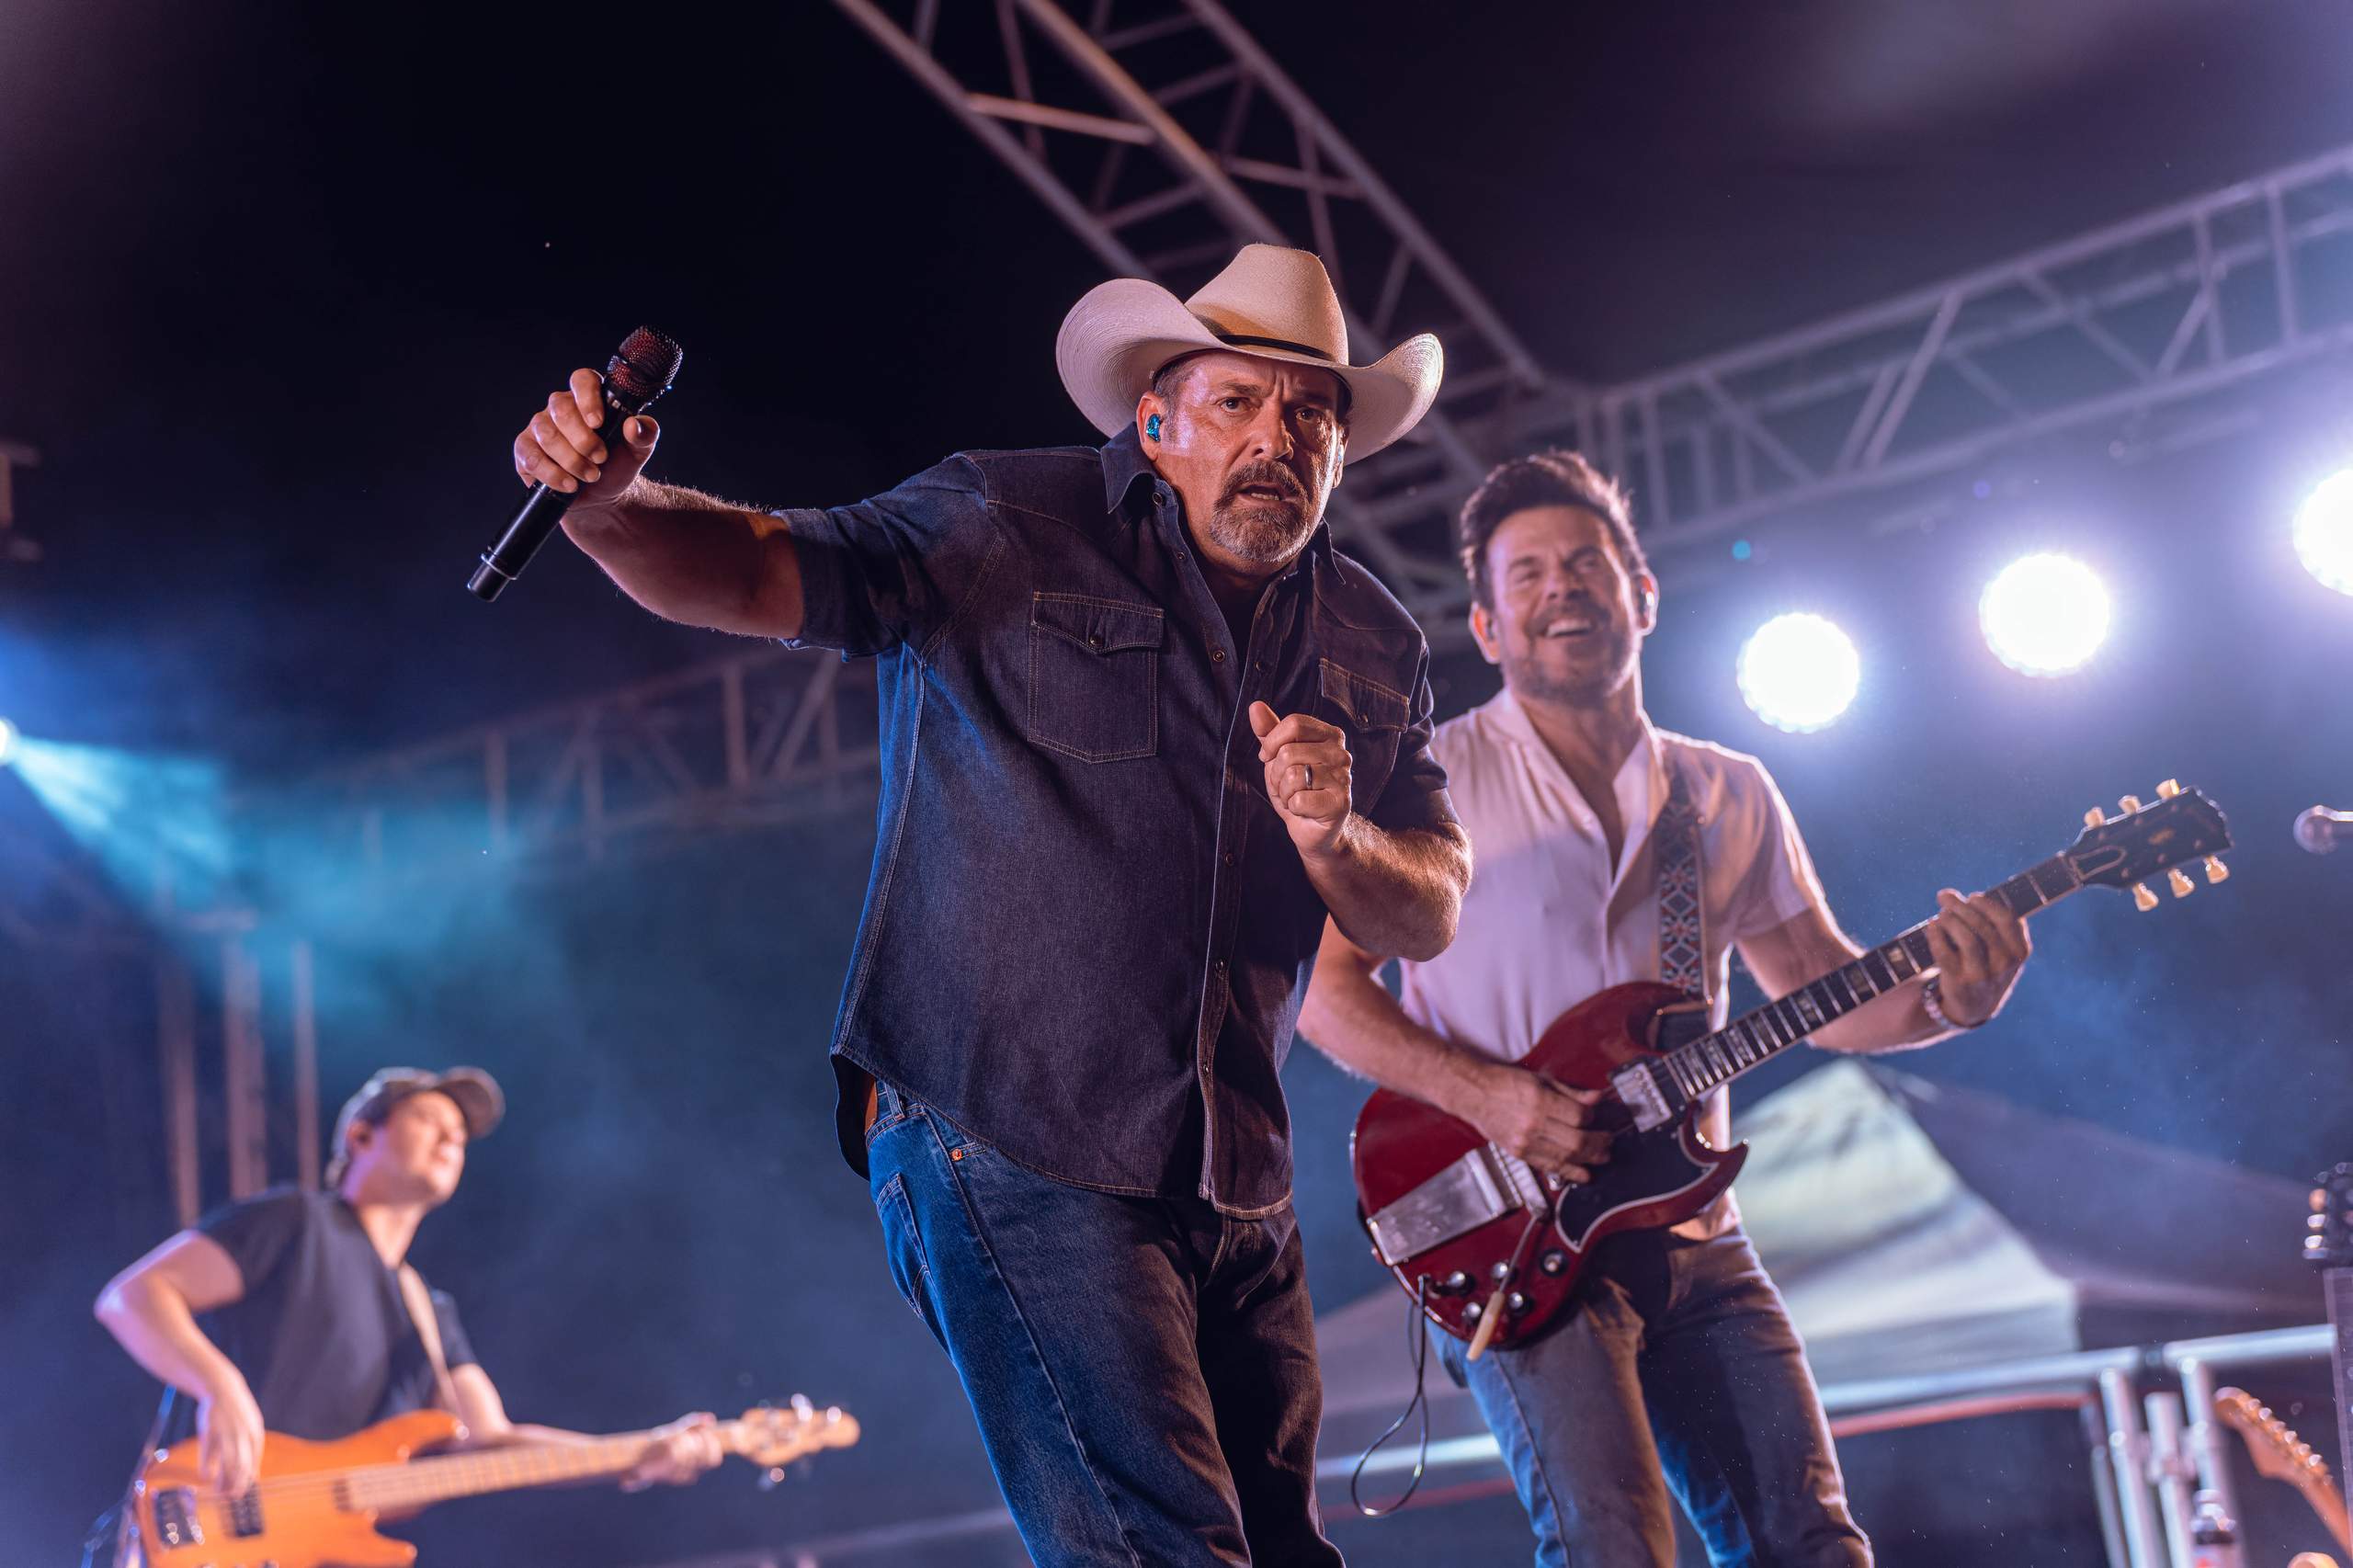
x,y
1308,768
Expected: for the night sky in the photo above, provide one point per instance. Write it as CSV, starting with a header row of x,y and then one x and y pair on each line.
x,y
278,285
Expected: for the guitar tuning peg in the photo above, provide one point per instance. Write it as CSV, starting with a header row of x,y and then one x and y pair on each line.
x,y
2168,790
2094,817
2178,880
2143,898
2215,871
2129,802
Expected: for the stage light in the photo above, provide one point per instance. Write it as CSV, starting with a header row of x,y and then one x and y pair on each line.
x,y
2325,531
2044,615
1799,672
7,742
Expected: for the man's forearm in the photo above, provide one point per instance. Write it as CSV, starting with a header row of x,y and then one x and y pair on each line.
x,y
693,558
150,1321
1395,894
1351,1018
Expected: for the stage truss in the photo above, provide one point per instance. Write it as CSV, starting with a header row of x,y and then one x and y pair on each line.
x,y
1162,136
1165,138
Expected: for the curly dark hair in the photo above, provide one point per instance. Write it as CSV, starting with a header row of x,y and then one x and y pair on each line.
x,y
1554,478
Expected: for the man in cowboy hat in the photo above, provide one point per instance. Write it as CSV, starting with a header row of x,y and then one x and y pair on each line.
x,y
1142,729
313,1323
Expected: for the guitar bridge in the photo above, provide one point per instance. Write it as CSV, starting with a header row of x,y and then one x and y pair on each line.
x,y
1638,1089
1458,1200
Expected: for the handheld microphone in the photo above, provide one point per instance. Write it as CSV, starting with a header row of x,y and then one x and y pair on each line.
x,y
2321,830
648,362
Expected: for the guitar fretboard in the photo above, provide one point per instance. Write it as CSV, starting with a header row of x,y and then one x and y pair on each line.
x,y
1694,1070
394,1487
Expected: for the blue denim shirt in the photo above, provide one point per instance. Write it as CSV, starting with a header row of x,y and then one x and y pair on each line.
x,y
1087,932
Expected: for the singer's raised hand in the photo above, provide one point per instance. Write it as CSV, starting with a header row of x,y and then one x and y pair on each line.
x,y
565,447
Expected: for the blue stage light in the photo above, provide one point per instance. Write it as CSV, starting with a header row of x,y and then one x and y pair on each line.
x,y
2044,615
2325,531
7,742
1799,672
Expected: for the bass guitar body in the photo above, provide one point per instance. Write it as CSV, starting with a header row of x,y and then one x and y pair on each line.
x,y
1490,1235
301,1515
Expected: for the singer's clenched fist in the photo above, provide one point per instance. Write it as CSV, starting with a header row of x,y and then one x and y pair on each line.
x,y
566,447
1307,775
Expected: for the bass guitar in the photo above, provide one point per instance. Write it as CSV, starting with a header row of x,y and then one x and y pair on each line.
x,y
317,1505
1493,1250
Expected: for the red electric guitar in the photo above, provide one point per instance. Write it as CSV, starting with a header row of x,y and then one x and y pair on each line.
x,y
1493,1250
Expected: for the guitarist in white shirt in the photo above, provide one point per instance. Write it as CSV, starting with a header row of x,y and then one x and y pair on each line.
x,y
1676,1366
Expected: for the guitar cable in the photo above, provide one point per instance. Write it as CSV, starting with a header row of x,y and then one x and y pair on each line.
x,y
1417,1341
1417,1344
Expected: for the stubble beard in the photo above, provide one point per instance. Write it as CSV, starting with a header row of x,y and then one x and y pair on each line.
x,y
1524,673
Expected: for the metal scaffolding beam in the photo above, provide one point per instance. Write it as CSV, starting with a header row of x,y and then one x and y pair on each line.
x,y
1237,153
2171,316
2134,330
764,737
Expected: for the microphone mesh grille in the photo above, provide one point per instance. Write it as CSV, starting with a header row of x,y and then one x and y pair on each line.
x,y
645,365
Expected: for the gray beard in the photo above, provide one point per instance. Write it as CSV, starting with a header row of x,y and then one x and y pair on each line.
x,y
1267,535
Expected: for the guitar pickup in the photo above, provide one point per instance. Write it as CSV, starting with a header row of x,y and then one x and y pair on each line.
x,y
1458,1201
1638,1089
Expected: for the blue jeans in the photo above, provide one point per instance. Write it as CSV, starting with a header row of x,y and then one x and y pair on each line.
x,y
1142,1369
1676,1367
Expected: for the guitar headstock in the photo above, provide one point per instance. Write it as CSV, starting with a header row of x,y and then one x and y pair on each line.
x,y
2328,1240
2178,827
773,1437
2278,1453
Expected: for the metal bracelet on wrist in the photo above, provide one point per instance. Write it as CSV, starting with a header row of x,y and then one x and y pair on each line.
x,y
1932,1002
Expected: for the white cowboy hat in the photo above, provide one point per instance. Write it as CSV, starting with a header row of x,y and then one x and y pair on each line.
x,y
1269,302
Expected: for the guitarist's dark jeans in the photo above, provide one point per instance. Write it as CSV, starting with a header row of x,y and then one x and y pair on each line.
x,y
1679,1369
1142,1369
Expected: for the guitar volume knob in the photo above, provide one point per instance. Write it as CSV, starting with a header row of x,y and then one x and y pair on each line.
x,y
1553,1261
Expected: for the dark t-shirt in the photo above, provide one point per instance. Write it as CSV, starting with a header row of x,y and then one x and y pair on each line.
x,y
323,1333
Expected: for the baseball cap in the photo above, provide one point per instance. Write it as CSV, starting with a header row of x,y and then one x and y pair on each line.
x,y
479,1100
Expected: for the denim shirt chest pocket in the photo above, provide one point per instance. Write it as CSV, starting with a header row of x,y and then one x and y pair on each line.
x,y
1375,717
1094,676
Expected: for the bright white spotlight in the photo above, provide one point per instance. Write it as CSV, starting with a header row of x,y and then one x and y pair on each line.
x,y
2044,615
7,742
1799,672
2325,531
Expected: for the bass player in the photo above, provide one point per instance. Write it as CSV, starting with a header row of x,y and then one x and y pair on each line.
x,y
1677,1366
311,1322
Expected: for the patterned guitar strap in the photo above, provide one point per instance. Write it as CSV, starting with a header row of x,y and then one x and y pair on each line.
x,y
1682,923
